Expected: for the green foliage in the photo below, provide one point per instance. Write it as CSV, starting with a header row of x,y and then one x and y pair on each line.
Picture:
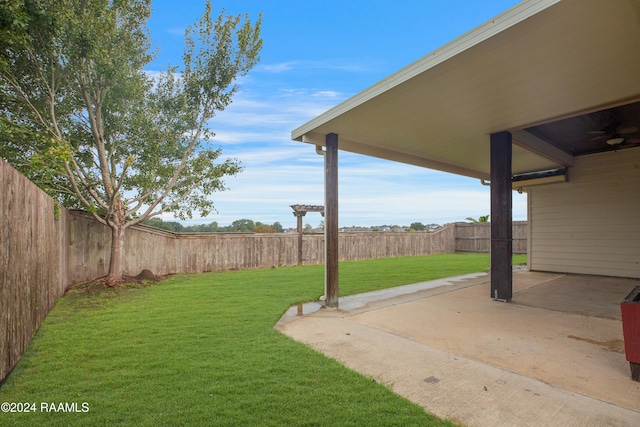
x,y
417,226
483,218
241,225
263,228
25,141
201,350
81,118
165,225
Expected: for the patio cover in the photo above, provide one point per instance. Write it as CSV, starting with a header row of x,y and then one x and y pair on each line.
x,y
538,62
486,98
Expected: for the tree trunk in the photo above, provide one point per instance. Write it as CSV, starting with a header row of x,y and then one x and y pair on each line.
x,y
116,265
118,226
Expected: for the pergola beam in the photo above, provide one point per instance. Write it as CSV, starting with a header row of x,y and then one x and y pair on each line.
x,y
299,211
299,215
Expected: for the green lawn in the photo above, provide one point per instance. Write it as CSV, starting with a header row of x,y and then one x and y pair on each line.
x,y
201,350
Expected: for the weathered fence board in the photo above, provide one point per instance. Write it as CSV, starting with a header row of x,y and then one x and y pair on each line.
x,y
33,269
476,237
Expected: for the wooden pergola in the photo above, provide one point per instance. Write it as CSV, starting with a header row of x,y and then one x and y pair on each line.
x,y
299,211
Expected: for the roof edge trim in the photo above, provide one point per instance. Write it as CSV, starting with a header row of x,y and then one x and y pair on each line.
x,y
499,23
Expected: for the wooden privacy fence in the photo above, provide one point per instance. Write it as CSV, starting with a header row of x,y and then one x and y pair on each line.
x,y
43,252
476,237
165,252
33,264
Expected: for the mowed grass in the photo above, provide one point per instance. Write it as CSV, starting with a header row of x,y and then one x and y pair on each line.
x,y
201,350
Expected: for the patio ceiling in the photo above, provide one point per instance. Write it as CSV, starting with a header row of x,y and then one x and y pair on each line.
x,y
545,70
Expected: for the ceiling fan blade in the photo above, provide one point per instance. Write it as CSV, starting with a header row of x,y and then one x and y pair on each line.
x,y
627,129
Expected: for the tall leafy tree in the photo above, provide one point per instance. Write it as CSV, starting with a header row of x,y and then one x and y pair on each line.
x,y
418,226
82,118
245,225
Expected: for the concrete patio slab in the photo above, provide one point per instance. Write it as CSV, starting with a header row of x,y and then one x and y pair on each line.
x,y
551,357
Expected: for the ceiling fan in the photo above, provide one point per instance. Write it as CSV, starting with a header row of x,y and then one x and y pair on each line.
x,y
618,135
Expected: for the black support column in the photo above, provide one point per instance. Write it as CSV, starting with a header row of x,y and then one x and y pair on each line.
x,y
331,220
501,217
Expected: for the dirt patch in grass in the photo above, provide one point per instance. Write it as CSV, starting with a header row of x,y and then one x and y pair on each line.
x,y
104,292
102,284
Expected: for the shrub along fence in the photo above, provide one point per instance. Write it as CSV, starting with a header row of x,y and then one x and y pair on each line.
x,y
45,249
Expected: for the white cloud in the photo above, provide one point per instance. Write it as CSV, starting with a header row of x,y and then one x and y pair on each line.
x,y
387,196
256,129
268,119
334,64
276,68
176,31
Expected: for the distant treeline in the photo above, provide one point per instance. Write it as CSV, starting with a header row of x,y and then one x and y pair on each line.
x,y
249,226
239,226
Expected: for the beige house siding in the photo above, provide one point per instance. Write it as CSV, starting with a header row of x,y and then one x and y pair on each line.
x,y
590,225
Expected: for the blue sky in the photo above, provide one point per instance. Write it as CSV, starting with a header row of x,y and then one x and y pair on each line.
x,y
317,54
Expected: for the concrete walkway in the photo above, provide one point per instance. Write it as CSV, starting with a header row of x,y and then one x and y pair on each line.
x,y
554,356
